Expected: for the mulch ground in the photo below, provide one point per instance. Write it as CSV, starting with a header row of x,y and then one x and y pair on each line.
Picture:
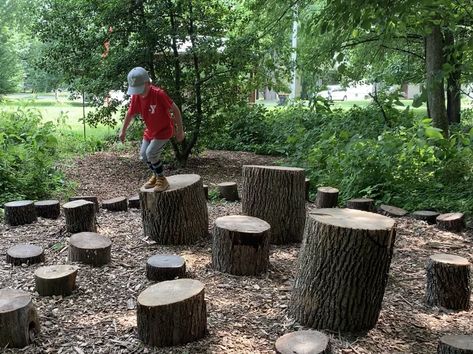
x,y
245,314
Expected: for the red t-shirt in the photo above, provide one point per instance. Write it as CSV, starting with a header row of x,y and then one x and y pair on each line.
x,y
154,109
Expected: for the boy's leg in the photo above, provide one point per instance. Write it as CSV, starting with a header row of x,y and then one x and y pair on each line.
x,y
144,146
153,155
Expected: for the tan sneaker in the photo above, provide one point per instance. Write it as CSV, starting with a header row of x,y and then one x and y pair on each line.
x,y
151,182
161,184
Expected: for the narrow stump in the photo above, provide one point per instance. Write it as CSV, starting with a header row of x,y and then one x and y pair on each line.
x,y
240,245
19,323
80,216
25,254
49,209
165,267
451,221
178,215
55,280
343,269
228,191
365,204
116,204
303,342
392,211
90,248
327,197
90,198
307,189
172,313
206,191
448,282
134,202
430,217
455,344
276,195
20,212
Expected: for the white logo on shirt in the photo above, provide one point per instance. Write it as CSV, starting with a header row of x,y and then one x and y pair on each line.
x,y
152,108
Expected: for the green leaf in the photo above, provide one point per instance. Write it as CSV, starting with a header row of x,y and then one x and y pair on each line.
x,y
434,133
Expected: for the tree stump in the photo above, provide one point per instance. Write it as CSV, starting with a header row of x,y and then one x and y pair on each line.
x,y
134,202
455,344
55,280
116,204
327,197
49,209
90,248
240,245
451,221
25,254
80,216
172,313
430,217
228,191
448,282
90,198
179,214
19,322
365,204
343,269
20,212
165,267
307,189
392,211
206,191
276,195
303,342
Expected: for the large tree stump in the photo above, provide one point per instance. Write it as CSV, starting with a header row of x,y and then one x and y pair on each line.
x,y
327,197
90,248
20,212
365,204
430,217
25,254
448,282
55,280
172,313
240,245
455,344
134,202
277,196
116,204
165,267
90,198
179,214
18,319
228,191
343,269
49,209
451,221
303,342
391,211
80,216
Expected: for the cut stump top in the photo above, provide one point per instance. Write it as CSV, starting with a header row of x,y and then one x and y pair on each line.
x,y
242,223
46,202
449,259
170,292
450,216
327,190
464,342
13,299
55,271
426,213
279,168
393,210
166,261
361,200
176,182
114,200
24,251
352,219
302,342
90,240
76,203
18,203
227,184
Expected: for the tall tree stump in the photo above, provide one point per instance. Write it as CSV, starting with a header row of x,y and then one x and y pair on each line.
x,y
365,204
90,198
451,221
19,322
240,245
430,217
90,248
277,196
80,216
391,211
20,212
25,254
455,344
116,204
172,313
179,214
228,191
49,209
303,342
134,202
343,269
165,267
55,280
327,197
448,282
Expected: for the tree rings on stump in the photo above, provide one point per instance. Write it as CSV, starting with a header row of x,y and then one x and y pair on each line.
x,y
327,197
172,313
134,202
25,254
49,209
392,211
55,280
165,267
90,248
19,322
116,204
228,191
448,282
365,204
451,221
303,342
240,245
20,212
455,344
80,216
343,269
430,217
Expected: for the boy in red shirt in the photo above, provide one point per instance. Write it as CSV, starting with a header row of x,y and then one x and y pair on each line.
x,y
154,106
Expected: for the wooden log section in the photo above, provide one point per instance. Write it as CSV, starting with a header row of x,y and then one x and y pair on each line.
x,y
90,248
430,217
55,280
19,212
80,216
25,254
455,344
172,313
165,267
451,221
391,211
365,204
343,269
240,245
179,214
307,189
277,196
19,322
134,202
303,342
448,282
228,191
327,197
116,204
90,198
206,191
49,209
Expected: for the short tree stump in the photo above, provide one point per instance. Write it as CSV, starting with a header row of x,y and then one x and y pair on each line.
x,y
90,198
455,344
228,191
206,191
134,202
303,342
327,197
165,267
55,280
80,216
430,217
391,211
451,221
25,254
115,204
20,212
48,209
307,189
365,204
90,248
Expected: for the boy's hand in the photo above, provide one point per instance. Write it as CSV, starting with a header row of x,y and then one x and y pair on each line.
x,y
180,135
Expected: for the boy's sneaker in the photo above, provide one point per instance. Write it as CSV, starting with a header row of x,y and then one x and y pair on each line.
x,y
161,184
151,182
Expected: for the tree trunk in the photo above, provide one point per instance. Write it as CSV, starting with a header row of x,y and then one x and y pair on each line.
x,y
90,248
20,212
55,280
327,197
303,342
455,344
453,80
165,267
80,216
49,209
25,254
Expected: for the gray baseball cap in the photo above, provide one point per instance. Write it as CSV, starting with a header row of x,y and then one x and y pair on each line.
x,y
137,78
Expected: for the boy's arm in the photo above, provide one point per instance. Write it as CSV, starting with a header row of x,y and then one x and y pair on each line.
x,y
177,118
126,123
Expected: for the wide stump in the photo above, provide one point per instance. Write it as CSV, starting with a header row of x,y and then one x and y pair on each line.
x,y
327,197
20,212
80,216
48,209
303,342
343,269
90,198
451,221
240,245
18,319
366,204
172,313
430,217
25,254
392,211
179,214
55,280
455,344
90,248
277,196
116,204
165,267
228,191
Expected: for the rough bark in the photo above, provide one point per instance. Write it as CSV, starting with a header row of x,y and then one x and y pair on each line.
x,y
90,248
240,245
327,197
303,342
80,216
89,198
451,221
276,195
206,191
430,217
228,191
392,211
25,254
55,280
455,344
116,204
178,215
453,79
307,189
365,204
165,267
48,209
20,212
134,202
343,269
